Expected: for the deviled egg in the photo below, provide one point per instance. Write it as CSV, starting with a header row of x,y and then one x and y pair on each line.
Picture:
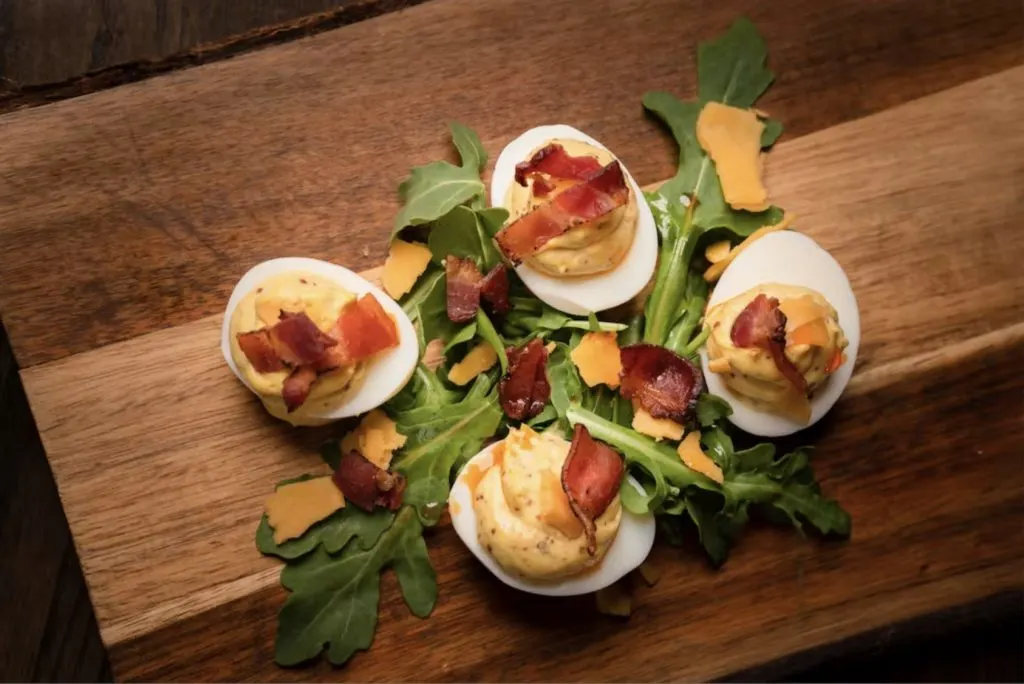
x,y
315,341
784,330
579,229
509,507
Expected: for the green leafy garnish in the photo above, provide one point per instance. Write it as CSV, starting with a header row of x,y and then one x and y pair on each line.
x,y
486,331
730,70
462,233
438,437
431,191
334,597
530,316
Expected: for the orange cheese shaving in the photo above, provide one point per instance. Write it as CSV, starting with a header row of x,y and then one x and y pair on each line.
x,y
649,573
405,263
732,138
376,438
720,365
598,360
801,310
716,270
295,507
815,332
479,359
555,506
658,428
694,458
717,251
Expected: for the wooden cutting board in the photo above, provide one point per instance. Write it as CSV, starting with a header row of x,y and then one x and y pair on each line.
x,y
141,218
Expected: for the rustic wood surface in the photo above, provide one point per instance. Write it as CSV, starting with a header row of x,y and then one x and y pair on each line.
x,y
134,210
281,151
52,50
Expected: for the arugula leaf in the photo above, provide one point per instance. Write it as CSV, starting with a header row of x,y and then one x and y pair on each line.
x,y
566,385
430,313
334,599
732,68
424,389
461,232
465,335
531,316
711,408
431,191
440,435
486,330
467,142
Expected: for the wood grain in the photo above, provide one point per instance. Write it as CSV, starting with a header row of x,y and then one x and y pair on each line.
x,y
135,209
163,479
51,51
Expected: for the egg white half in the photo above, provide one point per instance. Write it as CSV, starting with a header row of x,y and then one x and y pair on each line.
x,y
628,550
386,373
788,258
579,296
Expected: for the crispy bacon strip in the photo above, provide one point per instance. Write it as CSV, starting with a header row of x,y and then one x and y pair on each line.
x,y
554,161
293,341
591,477
298,340
260,351
541,187
524,389
462,289
663,383
363,329
590,199
297,386
494,290
366,485
762,324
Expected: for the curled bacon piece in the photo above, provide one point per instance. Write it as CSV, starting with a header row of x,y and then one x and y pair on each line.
x,y
524,389
554,161
663,383
298,340
590,477
297,387
494,290
259,349
363,329
462,288
595,196
762,324
366,485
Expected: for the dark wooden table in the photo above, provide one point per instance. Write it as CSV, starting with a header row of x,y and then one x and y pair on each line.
x,y
134,210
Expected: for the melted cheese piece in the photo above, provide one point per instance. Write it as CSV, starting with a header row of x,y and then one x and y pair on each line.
x,y
717,251
694,458
376,438
800,311
716,270
479,359
598,360
555,510
406,262
815,332
295,507
732,138
658,428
